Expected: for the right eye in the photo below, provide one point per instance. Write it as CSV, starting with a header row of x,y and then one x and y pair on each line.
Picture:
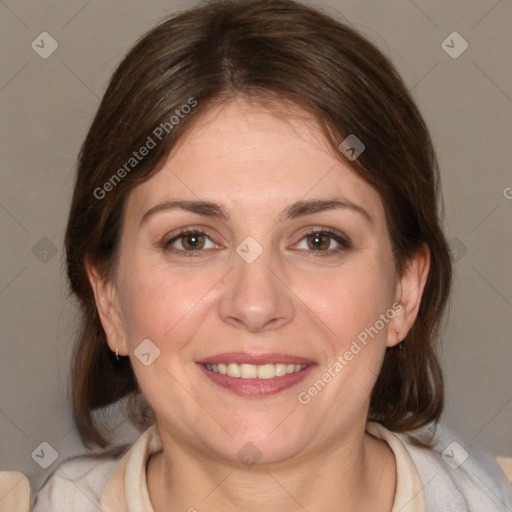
x,y
189,241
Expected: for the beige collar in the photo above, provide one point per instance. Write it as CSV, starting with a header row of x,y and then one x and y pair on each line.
x,y
409,489
127,491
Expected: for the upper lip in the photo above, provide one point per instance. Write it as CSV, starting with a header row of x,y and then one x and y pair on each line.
x,y
256,359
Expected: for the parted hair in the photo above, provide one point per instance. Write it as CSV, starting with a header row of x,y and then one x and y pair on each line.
x,y
271,51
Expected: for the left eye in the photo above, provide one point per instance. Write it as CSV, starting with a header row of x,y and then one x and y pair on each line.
x,y
322,241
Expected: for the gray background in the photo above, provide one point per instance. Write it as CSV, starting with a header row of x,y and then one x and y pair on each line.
x,y
47,105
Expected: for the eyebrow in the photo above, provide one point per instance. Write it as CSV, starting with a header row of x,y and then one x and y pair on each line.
x,y
298,209
301,208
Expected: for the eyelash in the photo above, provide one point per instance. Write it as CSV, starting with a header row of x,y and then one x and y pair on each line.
x,y
344,243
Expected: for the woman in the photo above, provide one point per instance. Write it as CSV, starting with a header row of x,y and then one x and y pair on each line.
x,y
255,242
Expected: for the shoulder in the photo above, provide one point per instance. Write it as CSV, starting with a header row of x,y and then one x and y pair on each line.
x,y
456,474
14,491
77,484
108,481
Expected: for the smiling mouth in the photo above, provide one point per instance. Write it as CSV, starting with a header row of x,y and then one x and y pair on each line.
x,y
253,371
256,375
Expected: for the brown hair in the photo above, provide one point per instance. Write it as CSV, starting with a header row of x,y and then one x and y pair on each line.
x,y
265,50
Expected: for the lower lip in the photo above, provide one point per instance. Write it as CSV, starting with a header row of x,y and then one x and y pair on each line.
x,y
256,387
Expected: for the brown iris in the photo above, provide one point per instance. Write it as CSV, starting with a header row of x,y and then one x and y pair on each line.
x,y
318,241
193,241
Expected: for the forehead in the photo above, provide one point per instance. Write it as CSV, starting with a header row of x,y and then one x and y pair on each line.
x,y
251,158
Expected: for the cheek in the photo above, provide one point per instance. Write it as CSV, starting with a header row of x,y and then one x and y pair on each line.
x,y
351,299
161,304
167,308
353,304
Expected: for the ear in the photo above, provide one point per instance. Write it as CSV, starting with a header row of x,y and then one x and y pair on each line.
x,y
109,309
409,291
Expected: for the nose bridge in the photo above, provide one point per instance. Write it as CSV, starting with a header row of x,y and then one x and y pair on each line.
x,y
254,297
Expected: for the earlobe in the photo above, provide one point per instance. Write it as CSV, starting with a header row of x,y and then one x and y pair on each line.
x,y
109,311
410,287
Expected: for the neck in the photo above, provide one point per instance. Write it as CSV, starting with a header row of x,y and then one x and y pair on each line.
x,y
355,474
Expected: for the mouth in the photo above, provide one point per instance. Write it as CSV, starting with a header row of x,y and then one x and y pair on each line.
x,y
253,371
255,375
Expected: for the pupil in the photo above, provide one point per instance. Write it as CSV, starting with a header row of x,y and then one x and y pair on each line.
x,y
320,241
193,241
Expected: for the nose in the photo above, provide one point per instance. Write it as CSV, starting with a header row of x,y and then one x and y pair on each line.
x,y
255,296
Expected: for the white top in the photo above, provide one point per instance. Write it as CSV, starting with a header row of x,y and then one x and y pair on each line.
x,y
452,476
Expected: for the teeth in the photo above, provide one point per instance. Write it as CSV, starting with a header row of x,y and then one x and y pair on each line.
x,y
266,371
248,371
253,371
281,369
233,370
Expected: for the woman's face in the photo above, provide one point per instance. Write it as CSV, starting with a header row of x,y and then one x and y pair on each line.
x,y
270,276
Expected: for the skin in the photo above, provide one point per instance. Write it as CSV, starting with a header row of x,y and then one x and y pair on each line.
x,y
289,300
